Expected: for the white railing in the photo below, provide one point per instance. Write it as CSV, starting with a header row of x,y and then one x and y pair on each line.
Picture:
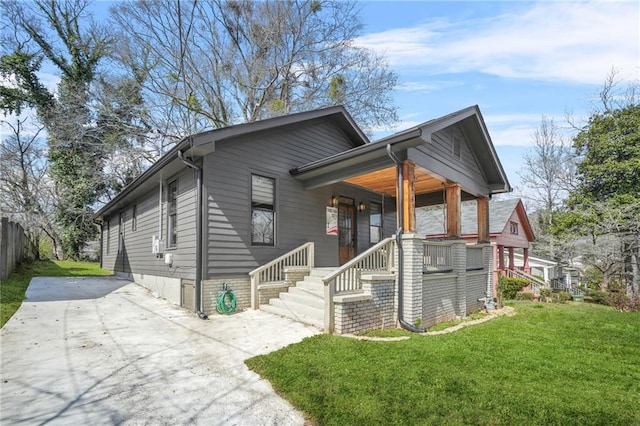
x,y
437,257
377,258
475,258
302,256
558,284
534,283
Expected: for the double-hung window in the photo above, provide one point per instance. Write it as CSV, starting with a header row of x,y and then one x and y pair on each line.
x,y
263,212
172,223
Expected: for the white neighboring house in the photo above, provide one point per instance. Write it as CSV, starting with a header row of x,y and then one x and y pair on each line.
x,y
554,274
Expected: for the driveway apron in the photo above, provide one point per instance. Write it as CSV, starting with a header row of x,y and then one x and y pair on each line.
x,y
105,351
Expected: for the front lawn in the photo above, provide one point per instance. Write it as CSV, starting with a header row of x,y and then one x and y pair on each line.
x,y
574,364
12,289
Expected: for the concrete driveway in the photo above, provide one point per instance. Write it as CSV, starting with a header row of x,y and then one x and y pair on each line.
x,y
85,351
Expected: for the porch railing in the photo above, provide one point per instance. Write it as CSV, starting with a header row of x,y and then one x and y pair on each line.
x,y
302,256
534,283
378,258
558,284
437,257
475,258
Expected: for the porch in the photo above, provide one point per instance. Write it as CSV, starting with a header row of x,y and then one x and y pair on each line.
x,y
444,280
405,280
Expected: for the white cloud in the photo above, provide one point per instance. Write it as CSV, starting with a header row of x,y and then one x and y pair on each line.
x,y
428,87
50,81
576,42
504,129
513,135
518,129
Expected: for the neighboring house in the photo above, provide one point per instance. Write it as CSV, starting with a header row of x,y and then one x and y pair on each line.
x,y
300,215
546,269
554,274
509,230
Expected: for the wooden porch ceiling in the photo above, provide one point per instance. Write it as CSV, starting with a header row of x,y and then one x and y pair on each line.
x,y
385,181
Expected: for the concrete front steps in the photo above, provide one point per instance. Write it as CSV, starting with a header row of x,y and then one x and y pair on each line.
x,y
304,302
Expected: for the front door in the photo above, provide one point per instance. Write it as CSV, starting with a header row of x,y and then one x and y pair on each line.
x,y
347,229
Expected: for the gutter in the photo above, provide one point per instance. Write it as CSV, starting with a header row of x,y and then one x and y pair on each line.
x,y
199,215
400,178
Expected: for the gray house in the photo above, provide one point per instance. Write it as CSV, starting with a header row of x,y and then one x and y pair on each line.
x,y
302,215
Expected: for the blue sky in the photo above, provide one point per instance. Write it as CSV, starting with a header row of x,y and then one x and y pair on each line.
x,y
517,60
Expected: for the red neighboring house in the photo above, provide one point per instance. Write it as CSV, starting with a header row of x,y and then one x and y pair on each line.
x,y
509,229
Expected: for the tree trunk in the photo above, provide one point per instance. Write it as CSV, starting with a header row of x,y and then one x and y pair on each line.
x,y
632,269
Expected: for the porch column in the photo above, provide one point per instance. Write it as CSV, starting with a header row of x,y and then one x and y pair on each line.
x,y
413,285
483,220
525,261
459,263
511,264
409,200
501,258
453,199
489,262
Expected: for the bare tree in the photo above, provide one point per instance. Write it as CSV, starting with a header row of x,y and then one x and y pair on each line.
x,y
83,131
26,189
549,170
548,175
609,242
215,63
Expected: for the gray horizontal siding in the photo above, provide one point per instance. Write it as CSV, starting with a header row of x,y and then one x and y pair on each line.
x,y
136,255
438,157
300,213
109,242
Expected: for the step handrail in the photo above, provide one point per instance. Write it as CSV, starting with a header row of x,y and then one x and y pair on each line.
x,y
369,260
533,281
302,256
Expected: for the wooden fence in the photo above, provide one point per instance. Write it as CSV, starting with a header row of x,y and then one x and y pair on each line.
x,y
15,247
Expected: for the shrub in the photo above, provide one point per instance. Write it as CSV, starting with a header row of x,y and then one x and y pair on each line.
x,y
594,278
618,300
509,287
621,302
524,295
564,297
546,295
598,297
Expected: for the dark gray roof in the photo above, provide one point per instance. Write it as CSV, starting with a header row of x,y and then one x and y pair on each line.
x,y
372,157
195,143
431,220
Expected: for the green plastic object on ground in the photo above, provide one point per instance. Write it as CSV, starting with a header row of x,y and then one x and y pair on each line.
x,y
226,301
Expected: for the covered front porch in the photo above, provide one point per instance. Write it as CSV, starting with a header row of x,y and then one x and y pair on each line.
x,y
406,279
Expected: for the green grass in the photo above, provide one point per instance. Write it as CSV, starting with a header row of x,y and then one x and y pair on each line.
x,y
573,364
452,323
12,289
